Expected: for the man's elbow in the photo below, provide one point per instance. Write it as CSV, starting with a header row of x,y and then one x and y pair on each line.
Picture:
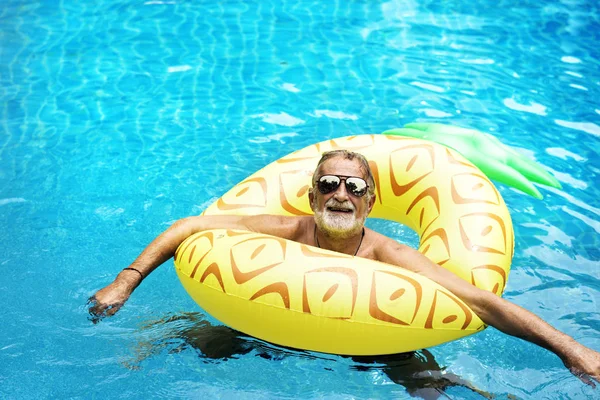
x,y
485,305
186,226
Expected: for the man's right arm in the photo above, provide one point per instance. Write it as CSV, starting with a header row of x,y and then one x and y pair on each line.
x,y
107,301
498,312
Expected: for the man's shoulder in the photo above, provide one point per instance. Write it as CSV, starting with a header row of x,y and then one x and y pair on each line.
x,y
379,239
382,246
285,226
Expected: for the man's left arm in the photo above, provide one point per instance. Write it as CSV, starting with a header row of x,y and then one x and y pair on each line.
x,y
498,312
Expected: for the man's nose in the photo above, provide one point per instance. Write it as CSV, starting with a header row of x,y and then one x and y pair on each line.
x,y
341,193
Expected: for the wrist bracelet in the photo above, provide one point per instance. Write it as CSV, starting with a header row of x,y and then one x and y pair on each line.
x,y
133,269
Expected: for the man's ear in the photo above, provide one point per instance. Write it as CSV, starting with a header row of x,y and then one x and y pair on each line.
x,y
311,198
371,203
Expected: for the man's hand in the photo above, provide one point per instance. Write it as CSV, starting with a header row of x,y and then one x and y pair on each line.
x,y
584,363
107,301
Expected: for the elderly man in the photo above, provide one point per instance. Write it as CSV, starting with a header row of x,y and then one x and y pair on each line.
x,y
342,196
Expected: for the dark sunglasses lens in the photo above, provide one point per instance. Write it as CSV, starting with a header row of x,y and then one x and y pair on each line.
x,y
356,186
328,184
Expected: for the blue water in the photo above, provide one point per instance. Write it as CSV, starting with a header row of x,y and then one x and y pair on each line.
x,y
118,118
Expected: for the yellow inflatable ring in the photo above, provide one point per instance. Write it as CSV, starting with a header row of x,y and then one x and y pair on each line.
x,y
300,296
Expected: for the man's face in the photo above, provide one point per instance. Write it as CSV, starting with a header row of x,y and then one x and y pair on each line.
x,y
340,214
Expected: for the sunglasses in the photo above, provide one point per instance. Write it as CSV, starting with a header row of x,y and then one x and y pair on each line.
x,y
354,185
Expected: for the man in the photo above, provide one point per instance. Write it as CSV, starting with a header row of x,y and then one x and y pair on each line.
x,y
342,196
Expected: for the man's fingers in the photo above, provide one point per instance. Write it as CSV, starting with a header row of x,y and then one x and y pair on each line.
x,y
583,377
94,307
95,311
587,380
98,310
113,308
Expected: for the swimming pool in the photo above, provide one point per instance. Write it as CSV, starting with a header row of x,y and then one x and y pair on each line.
x,y
120,118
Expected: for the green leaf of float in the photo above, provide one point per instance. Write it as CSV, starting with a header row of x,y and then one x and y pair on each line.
x,y
495,159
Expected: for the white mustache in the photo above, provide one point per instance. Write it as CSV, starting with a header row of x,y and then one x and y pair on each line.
x,y
337,204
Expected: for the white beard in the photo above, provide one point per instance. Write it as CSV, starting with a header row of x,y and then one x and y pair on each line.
x,y
339,225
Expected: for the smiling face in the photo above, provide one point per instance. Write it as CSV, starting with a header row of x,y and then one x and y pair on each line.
x,y
340,214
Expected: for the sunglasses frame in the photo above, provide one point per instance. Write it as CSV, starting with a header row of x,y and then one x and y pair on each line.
x,y
342,178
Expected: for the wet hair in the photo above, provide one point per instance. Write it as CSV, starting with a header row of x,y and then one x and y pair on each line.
x,y
348,155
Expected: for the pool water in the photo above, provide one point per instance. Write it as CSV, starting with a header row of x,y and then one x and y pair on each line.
x,y
118,118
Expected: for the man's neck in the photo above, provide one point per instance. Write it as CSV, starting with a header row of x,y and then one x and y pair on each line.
x,y
346,245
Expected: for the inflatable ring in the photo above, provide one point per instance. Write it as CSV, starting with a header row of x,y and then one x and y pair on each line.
x,y
300,296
